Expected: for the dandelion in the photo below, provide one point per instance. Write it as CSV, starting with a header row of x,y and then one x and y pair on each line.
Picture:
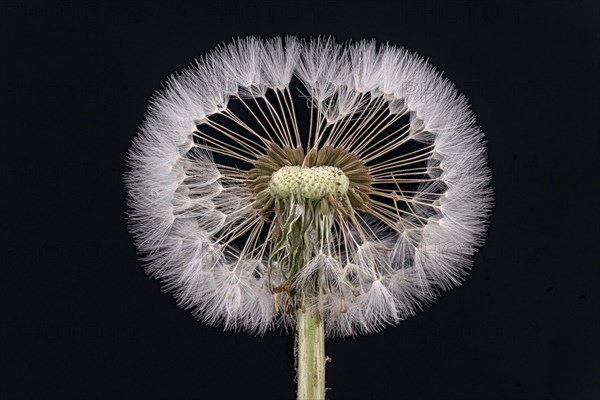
x,y
334,188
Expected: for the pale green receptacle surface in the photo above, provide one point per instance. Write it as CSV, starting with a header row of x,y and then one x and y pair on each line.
x,y
310,183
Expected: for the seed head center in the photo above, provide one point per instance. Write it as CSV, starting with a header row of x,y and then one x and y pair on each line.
x,y
312,183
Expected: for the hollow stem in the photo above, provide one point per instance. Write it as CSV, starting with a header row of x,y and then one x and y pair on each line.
x,y
310,342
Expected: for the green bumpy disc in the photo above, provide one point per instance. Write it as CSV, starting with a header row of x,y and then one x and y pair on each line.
x,y
310,183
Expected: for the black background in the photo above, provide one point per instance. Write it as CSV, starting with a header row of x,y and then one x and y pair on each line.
x,y
81,320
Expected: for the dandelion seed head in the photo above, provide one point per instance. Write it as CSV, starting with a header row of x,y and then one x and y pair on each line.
x,y
274,175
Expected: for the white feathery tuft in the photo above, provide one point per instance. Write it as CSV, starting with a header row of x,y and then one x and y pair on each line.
x,y
196,220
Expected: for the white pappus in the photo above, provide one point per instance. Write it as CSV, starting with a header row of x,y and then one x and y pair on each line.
x,y
381,198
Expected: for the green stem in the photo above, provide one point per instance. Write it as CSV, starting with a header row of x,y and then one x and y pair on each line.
x,y
310,342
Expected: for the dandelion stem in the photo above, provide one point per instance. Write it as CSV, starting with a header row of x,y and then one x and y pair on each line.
x,y
310,342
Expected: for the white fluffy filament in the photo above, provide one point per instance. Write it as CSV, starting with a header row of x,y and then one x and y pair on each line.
x,y
189,210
